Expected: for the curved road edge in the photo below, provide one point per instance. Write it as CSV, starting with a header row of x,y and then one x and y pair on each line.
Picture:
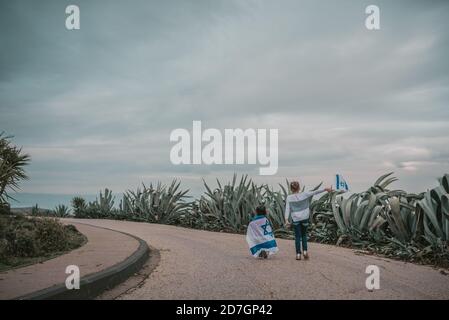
x,y
96,283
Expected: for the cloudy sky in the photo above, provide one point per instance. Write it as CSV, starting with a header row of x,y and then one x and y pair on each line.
x,y
95,107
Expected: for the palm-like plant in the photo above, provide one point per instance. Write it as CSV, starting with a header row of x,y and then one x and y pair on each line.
x,y
12,163
79,207
61,211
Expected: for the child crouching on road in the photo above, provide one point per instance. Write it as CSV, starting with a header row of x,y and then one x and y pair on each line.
x,y
259,235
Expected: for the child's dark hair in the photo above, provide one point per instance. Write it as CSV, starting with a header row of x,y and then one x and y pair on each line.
x,y
294,186
261,210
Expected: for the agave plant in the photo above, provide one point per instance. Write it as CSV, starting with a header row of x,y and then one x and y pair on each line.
x,y
61,211
275,204
324,228
105,203
231,204
101,208
155,204
377,210
398,210
199,218
435,206
125,207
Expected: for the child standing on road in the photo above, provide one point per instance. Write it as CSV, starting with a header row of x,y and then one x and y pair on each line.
x,y
259,235
297,207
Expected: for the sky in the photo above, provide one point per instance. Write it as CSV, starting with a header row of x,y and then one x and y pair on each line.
x,y
95,107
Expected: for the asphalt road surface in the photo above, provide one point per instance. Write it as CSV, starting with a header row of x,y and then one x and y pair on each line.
x,y
209,265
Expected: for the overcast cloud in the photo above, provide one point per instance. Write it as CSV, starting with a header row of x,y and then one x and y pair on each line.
x,y
95,107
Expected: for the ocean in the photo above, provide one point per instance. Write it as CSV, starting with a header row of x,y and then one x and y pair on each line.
x,y
49,201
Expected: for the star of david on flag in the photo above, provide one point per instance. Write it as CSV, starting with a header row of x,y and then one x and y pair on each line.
x,y
265,227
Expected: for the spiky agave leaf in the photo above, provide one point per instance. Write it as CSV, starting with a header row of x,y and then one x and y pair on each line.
x,y
61,211
381,178
435,208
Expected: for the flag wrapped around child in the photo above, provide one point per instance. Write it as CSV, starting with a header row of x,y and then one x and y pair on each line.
x,y
260,236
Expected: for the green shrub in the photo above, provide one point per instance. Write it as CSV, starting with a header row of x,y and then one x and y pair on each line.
x,y
51,235
24,244
5,208
3,249
22,238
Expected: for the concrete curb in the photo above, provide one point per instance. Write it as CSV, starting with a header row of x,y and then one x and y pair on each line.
x,y
94,284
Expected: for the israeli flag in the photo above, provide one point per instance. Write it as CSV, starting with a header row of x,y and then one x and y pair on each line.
x,y
260,236
340,183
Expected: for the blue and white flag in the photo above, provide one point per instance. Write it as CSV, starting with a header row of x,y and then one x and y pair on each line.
x,y
260,236
340,183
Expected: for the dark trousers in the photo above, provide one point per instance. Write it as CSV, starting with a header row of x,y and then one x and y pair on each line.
x,y
300,228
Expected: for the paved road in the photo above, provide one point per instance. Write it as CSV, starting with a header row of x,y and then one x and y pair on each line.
x,y
207,265
113,246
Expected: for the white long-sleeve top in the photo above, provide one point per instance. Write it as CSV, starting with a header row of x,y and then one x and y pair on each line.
x,y
297,205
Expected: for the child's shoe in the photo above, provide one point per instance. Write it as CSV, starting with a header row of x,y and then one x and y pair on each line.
x,y
306,255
